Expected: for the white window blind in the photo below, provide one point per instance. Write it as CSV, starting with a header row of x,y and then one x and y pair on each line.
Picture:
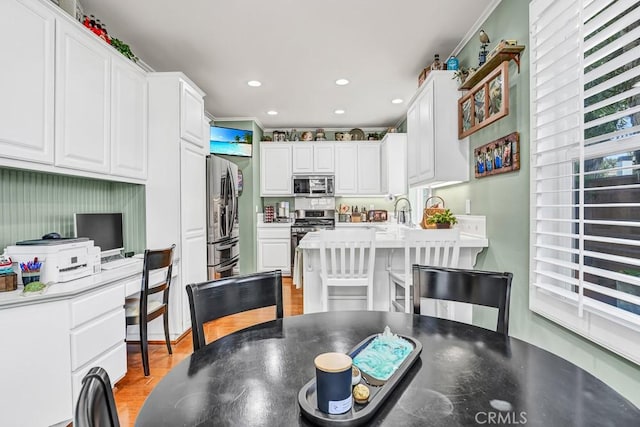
x,y
585,168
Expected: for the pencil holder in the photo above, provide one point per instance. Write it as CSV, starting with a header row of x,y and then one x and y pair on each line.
x,y
32,276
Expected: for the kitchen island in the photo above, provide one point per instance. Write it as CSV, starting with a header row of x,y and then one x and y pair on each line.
x,y
389,252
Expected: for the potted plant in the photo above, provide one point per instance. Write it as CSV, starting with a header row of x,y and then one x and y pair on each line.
x,y
443,219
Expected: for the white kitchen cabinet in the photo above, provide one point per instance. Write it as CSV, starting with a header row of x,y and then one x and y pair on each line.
x,y
27,84
346,179
70,103
274,249
393,164
312,157
192,115
302,158
36,365
83,100
357,168
368,168
97,334
128,119
276,169
175,191
435,156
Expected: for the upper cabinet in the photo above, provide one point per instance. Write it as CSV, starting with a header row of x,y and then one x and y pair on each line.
x,y
83,99
27,83
191,115
435,156
313,157
70,103
357,169
128,119
393,161
276,169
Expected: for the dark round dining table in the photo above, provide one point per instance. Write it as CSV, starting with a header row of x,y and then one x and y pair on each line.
x,y
465,375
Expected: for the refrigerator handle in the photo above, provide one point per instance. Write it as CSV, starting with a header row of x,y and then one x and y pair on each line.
x,y
234,199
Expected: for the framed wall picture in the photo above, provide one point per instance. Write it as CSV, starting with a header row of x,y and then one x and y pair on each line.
x,y
499,156
485,103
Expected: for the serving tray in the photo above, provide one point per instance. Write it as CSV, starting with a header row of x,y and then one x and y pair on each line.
x,y
359,413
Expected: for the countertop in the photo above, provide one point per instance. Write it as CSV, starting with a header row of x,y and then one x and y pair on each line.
x,y
393,238
65,290
262,224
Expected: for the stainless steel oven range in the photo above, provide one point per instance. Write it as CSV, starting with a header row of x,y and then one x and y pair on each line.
x,y
308,221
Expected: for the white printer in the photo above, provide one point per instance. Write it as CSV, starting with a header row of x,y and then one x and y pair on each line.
x,y
62,259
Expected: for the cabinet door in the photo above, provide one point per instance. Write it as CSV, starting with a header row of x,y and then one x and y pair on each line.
x,y
193,230
323,158
346,169
128,120
302,157
413,142
35,335
82,100
191,115
426,162
369,168
274,254
384,166
275,169
27,84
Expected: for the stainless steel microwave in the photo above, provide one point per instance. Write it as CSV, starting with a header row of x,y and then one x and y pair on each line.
x,y
313,185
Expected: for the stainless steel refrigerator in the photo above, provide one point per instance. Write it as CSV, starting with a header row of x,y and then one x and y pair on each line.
x,y
223,230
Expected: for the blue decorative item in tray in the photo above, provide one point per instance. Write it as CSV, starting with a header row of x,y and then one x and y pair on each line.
x,y
405,351
382,357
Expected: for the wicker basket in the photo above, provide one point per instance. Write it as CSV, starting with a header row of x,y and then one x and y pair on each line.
x,y
429,211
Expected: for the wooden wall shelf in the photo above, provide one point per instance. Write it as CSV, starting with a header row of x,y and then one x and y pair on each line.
x,y
506,53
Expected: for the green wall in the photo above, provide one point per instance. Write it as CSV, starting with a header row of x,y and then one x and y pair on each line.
x,y
34,203
250,199
504,199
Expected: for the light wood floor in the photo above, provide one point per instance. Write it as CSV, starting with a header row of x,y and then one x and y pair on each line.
x,y
131,391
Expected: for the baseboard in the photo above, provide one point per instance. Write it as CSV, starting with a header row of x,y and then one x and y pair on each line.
x,y
173,342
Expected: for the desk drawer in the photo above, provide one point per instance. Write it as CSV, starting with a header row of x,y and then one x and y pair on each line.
x,y
114,361
95,337
96,304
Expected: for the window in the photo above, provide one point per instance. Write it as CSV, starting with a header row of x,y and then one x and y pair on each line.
x,y
585,168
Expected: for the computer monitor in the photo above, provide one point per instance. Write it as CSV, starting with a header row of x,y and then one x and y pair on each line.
x,y
105,229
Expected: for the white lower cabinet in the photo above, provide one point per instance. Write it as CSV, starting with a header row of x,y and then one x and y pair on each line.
x,y
274,249
97,334
35,365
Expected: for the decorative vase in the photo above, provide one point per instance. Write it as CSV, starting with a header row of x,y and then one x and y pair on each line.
x,y
444,225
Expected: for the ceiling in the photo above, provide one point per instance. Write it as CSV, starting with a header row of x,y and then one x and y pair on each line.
x,y
297,49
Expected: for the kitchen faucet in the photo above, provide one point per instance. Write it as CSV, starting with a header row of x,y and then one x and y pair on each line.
x,y
403,218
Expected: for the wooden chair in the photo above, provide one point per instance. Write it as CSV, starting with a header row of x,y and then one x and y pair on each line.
x,y
141,309
96,406
471,286
218,298
347,259
438,248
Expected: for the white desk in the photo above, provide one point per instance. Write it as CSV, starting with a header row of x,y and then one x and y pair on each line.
x,y
52,340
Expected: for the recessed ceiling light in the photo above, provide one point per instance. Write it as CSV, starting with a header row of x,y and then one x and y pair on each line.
x,y
272,113
342,82
339,111
254,83
397,101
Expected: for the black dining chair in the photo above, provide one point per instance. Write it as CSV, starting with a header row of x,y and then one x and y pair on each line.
x,y
485,288
141,309
218,298
96,406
